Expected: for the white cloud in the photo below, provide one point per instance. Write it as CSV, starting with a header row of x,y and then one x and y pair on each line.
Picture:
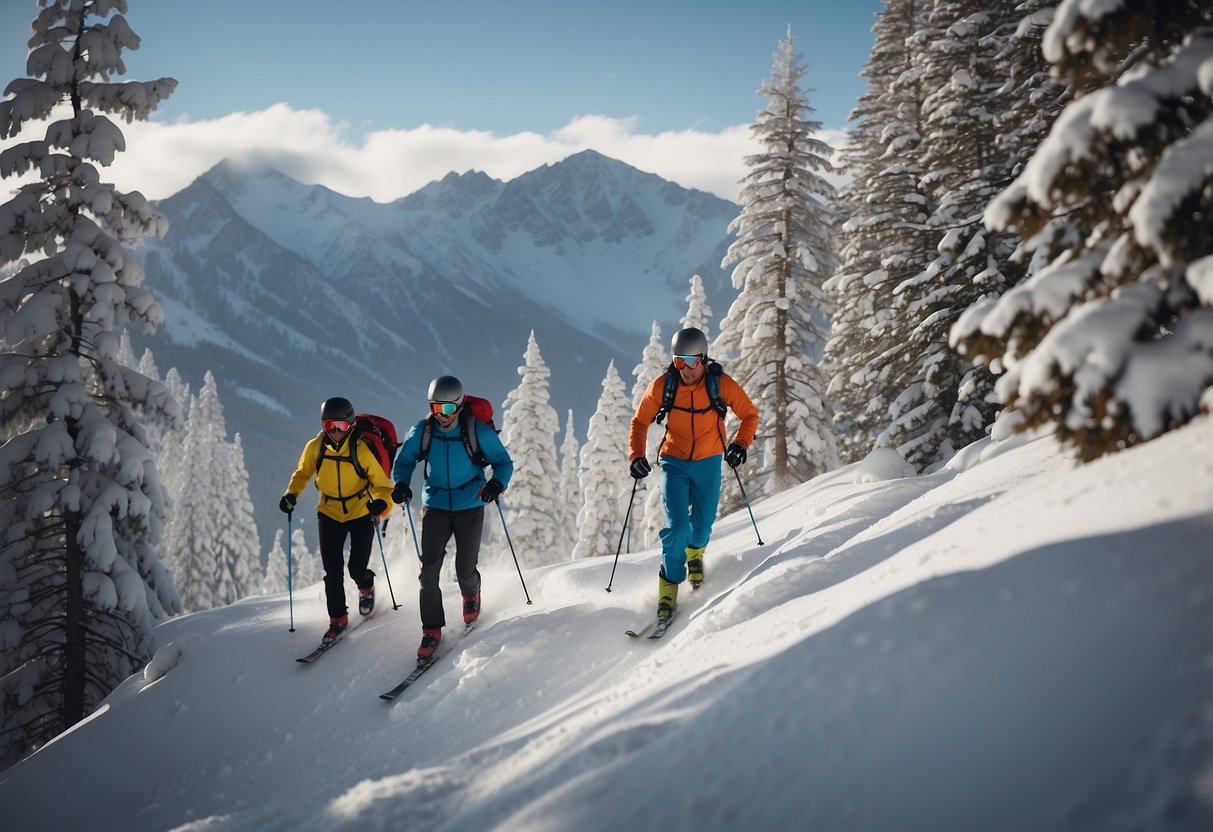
x,y
163,158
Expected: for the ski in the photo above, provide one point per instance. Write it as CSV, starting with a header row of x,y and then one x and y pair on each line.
x,y
654,629
315,654
422,666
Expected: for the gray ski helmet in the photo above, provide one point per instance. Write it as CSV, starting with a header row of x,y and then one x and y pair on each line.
x,y
446,389
689,341
337,407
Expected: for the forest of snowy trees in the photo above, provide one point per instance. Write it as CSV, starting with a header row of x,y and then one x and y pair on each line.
x,y
1024,240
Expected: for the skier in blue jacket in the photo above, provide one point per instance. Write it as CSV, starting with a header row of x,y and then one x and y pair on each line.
x,y
453,499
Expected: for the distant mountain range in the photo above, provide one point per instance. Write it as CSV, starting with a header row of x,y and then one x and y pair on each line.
x,y
292,293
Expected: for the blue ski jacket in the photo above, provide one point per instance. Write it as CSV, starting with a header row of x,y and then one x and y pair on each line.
x,y
453,481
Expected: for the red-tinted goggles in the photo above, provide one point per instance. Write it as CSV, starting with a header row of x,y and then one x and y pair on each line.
x,y
443,408
683,362
337,425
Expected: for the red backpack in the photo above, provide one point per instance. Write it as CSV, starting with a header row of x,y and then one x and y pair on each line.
x,y
473,407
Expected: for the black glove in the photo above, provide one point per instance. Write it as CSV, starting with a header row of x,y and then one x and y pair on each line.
x,y
640,468
376,507
287,504
735,455
491,491
401,493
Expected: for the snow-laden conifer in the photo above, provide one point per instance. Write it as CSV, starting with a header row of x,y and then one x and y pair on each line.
x,y
605,482
211,544
81,501
1111,339
529,425
775,331
569,491
946,402
653,363
884,239
699,314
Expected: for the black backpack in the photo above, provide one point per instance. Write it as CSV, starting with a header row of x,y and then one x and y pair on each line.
x,y
712,381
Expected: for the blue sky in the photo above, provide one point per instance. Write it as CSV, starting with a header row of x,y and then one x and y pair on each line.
x,y
478,74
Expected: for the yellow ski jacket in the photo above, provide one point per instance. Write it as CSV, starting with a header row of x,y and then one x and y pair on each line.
x,y
344,493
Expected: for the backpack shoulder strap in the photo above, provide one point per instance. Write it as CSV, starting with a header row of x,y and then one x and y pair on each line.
x,y
667,394
427,438
712,380
355,438
471,442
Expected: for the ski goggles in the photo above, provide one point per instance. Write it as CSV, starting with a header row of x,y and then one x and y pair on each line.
x,y
337,425
685,362
443,408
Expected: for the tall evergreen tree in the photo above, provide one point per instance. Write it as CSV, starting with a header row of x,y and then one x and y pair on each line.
x,y
569,489
699,314
211,544
81,506
529,425
885,241
605,482
784,253
1110,339
647,513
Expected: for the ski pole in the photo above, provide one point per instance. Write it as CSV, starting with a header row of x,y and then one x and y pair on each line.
x,y
386,576
409,511
290,596
622,531
747,506
507,540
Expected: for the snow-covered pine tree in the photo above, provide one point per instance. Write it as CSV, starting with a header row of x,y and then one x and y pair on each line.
x,y
698,312
81,504
1112,340
784,253
239,550
305,566
653,363
529,425
569,493
605,482
884,238
948,401
211,544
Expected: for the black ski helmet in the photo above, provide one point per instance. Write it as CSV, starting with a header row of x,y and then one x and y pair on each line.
x,y
446,389
689,341
337,408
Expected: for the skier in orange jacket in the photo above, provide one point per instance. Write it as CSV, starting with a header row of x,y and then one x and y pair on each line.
x,y
689,456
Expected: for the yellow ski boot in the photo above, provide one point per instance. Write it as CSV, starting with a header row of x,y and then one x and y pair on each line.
x,y
667,597
695,566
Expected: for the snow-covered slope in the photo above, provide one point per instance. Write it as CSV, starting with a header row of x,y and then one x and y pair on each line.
x,y
1013,643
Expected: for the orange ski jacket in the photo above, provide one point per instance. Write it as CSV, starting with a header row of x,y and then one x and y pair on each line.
x,y
693,429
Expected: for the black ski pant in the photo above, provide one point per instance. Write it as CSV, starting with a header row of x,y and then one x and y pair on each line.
x,y
332,534
437,528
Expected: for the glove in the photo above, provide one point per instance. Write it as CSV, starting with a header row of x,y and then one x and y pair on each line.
x,y
401,493
491,491
287,504
376,507
735,455
640,468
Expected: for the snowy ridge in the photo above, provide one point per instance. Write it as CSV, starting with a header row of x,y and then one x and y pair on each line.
x,y
1011,643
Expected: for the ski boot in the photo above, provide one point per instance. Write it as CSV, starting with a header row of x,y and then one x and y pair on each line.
x,y
695,566
471,607
667,597
337,625
430,636
366,600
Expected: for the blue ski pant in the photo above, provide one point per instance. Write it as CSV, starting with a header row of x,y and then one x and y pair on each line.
x,y
691,490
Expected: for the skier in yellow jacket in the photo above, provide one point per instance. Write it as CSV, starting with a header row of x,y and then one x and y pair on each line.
x,y
354,491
